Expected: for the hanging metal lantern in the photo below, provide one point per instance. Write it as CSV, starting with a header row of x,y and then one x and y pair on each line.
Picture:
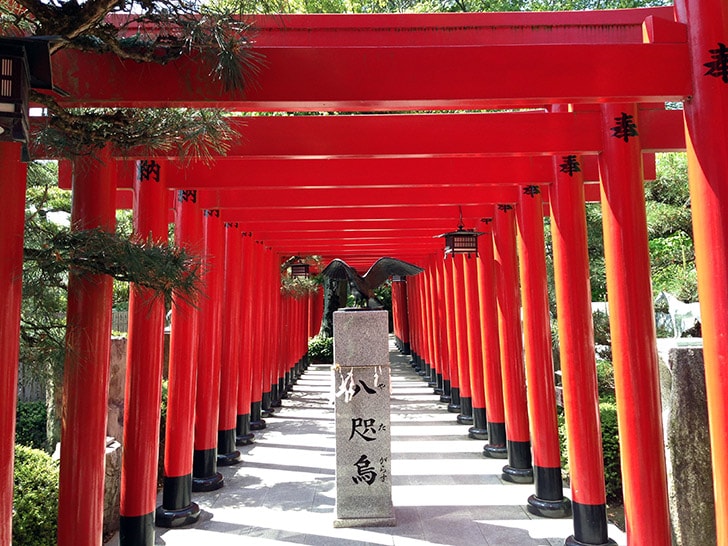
x,y
300,271
14,87
24,64
462,241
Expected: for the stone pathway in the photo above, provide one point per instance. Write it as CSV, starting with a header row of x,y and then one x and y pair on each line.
x,y
444,491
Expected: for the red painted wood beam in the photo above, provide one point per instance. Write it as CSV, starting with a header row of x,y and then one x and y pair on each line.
x,y
378,173
429,135
373,172
321,201
364,78
308,30
373,251
367,171
312,227
318,198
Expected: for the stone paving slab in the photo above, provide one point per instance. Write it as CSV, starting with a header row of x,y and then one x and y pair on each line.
x,y
444,491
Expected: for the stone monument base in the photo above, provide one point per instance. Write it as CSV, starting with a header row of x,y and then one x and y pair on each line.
x,y
365,522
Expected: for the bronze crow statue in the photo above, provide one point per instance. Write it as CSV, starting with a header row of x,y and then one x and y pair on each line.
x,y
364,286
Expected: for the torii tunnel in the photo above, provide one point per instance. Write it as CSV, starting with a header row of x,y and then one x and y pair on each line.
x,y
526,114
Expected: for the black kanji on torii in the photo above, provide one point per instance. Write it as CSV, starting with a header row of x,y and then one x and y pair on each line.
x,y
187,196
532,190
148,169
718,67
570,165
505,208
625,128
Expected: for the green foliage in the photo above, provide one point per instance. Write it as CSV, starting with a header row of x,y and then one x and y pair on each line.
x,y
150,131
35,498
671,185
166,270
30,424
321,349
605,380
610,447
595,246
602,335
299,287
384,294
42,325
670,229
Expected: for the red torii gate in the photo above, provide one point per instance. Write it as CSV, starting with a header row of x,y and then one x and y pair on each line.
x,y
327,71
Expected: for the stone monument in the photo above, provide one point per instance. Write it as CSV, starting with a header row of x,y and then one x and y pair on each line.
x,y
363,438
690,477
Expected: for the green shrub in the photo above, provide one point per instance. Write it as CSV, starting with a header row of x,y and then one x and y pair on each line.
x,y
30,424
605,380
35,498
610,448
321,349
602,335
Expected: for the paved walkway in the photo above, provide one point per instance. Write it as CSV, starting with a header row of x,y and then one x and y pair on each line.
x,y
444,491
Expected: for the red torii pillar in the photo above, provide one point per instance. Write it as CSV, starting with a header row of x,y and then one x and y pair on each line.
x,y
427,329
461,339
256,391
479,430
449,291
632,326
436,373
396,313
144,364
284,320
576,348
420,355
397,308
706,124
243,436
549,500
415,311
227,455
205,476
318,311
86,366
442,327
403,315
492,376
311,315
270,339
177,507
519,468
12,185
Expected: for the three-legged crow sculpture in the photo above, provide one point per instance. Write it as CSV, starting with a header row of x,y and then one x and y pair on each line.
x,y
365,285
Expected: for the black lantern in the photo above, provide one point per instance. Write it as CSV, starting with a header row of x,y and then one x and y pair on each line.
x,y
462,241
14,86
300,271
24,64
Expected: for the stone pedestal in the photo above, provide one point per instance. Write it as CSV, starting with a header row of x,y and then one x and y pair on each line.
x,y
690,477
363,439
